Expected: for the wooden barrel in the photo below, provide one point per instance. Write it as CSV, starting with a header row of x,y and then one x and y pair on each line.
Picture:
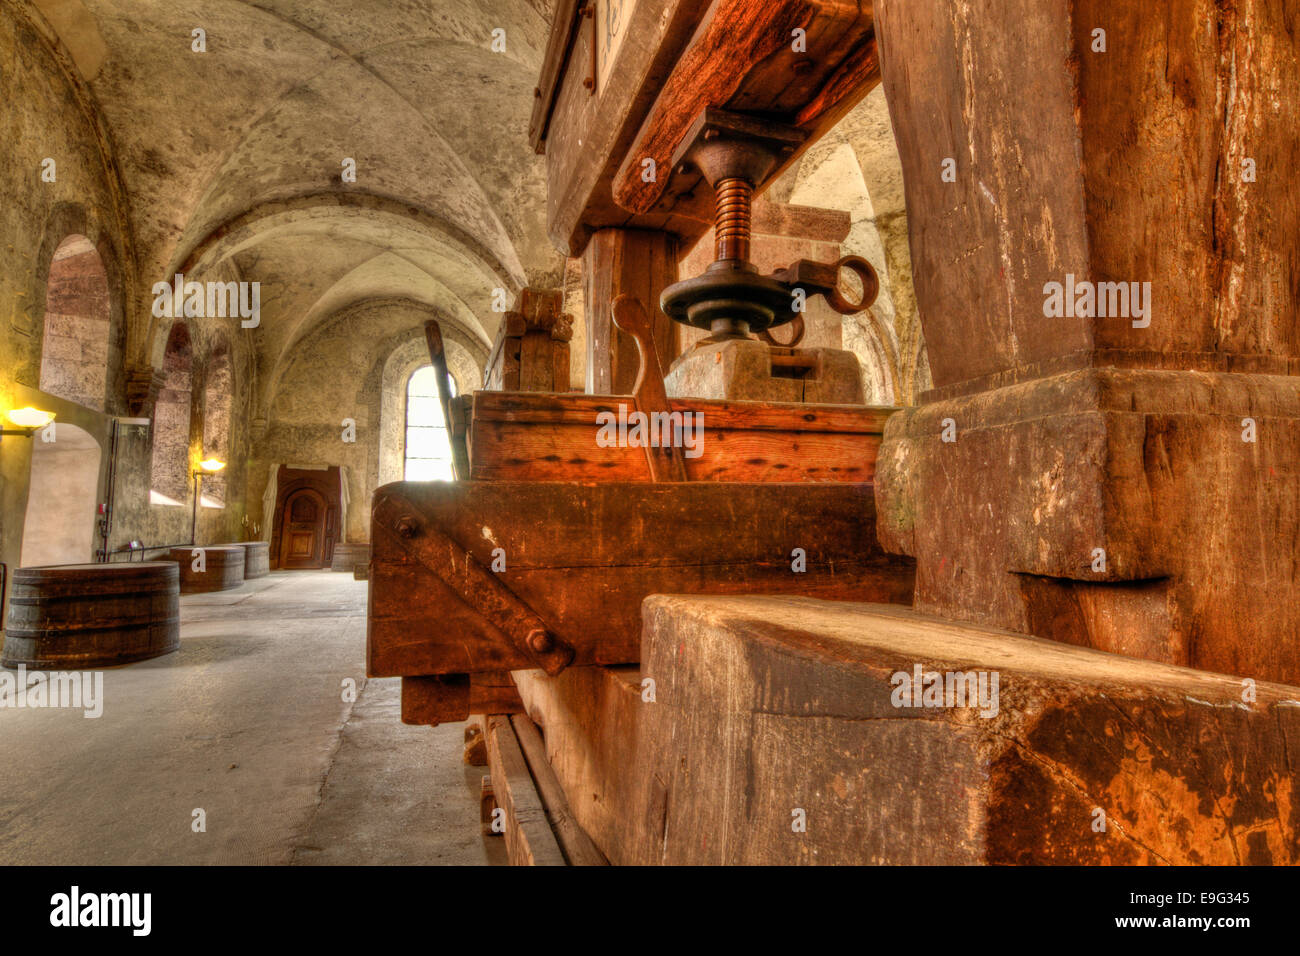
x,y
223,568
92,615
348,556
257,557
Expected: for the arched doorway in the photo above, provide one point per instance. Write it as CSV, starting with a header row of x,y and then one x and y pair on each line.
x,y
62,503
302,534
306,523
74,345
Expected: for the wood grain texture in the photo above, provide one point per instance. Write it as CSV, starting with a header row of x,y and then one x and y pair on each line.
x,y
589,135
575,844
453,698
553,438
529,840
601,548
743,57
765,705
633,262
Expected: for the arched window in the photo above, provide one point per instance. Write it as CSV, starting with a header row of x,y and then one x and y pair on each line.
x,y
74,349
428,447
169,468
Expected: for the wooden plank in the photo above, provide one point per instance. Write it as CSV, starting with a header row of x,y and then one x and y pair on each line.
x,y
529,840
516,436
550,452
581,557
575,844
559,46
582,409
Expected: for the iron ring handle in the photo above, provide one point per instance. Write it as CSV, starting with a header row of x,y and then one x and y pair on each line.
x,y
797,331
870,286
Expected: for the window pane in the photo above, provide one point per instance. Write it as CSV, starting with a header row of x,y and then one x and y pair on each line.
x,y
423,411
427,443
424,382
428,469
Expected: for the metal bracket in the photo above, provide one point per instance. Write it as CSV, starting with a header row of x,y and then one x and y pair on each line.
x,y
476,585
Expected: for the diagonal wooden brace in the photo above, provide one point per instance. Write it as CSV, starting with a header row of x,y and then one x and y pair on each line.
x,y
476,585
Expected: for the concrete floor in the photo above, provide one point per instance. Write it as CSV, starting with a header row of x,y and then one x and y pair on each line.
x,y
247,722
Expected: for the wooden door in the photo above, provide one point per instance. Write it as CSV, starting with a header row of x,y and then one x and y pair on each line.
x,y
302,534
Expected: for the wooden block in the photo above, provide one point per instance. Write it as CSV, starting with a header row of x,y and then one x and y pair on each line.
x,y
529,840
451,698
475,742
798,696
540,306
536,363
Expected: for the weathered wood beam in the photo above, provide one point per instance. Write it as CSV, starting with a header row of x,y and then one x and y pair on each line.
x,y
529,838
749,58
575,844
632,262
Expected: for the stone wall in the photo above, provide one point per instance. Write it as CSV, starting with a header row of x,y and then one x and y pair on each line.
x,y
50,116
337,374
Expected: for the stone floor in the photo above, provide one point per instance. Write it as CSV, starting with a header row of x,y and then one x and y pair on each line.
x,y
248,723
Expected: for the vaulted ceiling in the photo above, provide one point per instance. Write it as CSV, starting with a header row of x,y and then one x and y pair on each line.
x,y
232,157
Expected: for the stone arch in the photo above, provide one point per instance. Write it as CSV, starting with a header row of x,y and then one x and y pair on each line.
x,y
59,527
856,167
170,463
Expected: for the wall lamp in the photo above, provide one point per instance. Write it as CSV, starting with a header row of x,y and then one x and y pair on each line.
x,y
29,421
208,466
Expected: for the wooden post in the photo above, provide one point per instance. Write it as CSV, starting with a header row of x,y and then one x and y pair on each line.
x,y
637,262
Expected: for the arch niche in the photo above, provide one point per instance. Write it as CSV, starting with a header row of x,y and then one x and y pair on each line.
x,y
78,320
169,466
63,498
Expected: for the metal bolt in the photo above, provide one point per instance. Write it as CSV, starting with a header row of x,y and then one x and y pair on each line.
x,y
407,526
540,641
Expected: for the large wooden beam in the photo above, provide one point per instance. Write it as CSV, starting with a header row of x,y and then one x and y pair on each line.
x,y
632,262
540,437
765,706
671,59
575,560
750,57
1108,286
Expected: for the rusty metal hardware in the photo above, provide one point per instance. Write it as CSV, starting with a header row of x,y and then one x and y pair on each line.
x,y
477,586
736,154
